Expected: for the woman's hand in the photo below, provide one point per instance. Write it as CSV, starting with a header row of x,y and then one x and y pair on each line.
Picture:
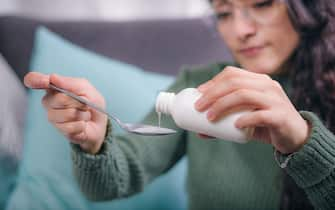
x,y
75,120
275,119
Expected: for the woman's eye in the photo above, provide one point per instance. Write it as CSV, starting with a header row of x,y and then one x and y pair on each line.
x,y
263,4
223,15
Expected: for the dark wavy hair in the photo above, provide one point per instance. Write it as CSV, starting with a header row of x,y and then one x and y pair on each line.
x,y
312,72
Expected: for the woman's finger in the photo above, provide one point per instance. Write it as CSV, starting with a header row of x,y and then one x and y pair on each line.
x,y
36,80
78,138
233,72
205,86
56,100
71,129
257,118
68,115
240,99
78,86
224,87
219,77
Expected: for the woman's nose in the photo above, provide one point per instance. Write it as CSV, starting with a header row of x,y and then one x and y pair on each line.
x,y
244,26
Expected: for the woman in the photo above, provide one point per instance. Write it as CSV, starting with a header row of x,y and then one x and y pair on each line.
x,y
285,51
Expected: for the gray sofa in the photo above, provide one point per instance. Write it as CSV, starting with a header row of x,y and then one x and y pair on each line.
x,y
158,45
162,46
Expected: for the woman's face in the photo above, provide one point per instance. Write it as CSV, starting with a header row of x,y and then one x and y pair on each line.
x,y
261,36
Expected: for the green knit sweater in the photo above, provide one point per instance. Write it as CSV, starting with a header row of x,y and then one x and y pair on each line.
x,y
221,174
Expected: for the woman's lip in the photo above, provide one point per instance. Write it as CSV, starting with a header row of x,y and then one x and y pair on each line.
x,y
251,51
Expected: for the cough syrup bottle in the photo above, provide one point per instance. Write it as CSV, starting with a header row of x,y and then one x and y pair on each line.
x,y
182,109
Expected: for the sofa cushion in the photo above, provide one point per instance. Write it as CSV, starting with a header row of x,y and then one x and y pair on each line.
x,y
12,112
162,46
46,180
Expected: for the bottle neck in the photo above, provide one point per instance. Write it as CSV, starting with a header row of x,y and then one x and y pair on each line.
x,y
164,102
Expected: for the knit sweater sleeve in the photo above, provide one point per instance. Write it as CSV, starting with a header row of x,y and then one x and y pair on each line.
x,y
313,167
125,164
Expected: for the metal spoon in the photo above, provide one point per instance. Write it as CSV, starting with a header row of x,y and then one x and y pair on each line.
x,y
140,129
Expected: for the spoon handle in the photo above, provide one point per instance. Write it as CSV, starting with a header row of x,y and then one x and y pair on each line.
x,y
82,100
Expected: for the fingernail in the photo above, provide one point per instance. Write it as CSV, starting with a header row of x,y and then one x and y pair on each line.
x,y
210,115
53,77
202,87
199,104
238,126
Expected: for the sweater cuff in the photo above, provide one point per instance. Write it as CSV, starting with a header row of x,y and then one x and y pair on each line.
x,y
86,161
316,159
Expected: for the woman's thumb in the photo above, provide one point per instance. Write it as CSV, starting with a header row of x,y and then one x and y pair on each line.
x,y
37,80
74,85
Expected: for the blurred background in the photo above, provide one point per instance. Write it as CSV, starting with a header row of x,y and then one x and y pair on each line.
x,y
157,38
104,9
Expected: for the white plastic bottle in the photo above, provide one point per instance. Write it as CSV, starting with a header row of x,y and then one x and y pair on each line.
x,y
181,107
